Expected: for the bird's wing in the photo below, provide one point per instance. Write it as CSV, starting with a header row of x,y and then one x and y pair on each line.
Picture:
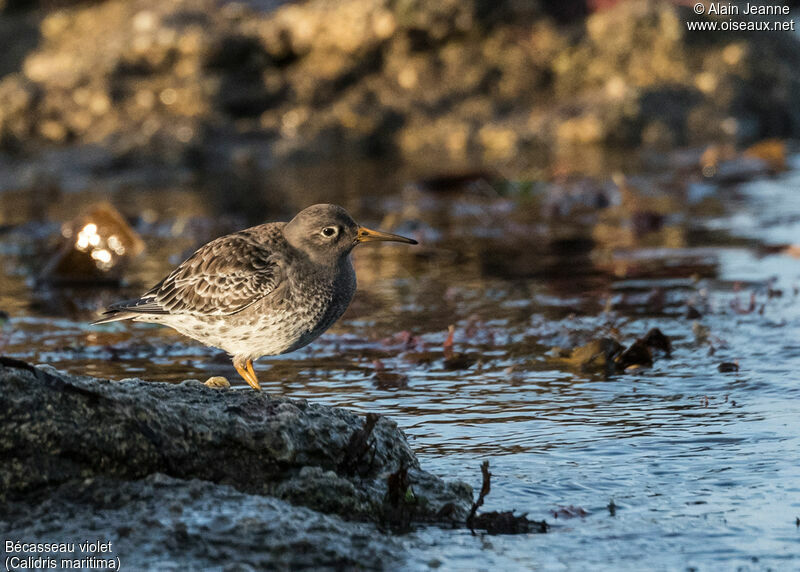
x,y
222,278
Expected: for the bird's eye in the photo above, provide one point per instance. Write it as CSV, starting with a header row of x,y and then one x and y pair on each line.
x,y
329,231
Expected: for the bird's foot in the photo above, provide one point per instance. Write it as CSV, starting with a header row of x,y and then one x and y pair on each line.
x,y
217,382
248,374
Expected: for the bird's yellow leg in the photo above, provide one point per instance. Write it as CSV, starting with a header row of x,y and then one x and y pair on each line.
x,y
248,374
252,372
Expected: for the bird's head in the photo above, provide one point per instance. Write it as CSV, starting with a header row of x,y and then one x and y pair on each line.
x,y
327,232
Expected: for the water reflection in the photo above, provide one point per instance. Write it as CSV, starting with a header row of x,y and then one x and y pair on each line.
x,y
697,461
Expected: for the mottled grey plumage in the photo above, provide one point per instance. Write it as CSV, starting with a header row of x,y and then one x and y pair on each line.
x,y
266,290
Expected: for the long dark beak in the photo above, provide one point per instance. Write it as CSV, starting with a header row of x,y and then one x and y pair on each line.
x,y
367,235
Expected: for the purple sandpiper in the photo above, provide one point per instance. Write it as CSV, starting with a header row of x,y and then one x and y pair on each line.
x,y
266,290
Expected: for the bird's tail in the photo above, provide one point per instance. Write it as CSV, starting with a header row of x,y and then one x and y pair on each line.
x,y
127,310
111,315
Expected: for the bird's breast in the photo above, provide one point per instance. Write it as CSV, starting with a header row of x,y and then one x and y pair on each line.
x,y
315,301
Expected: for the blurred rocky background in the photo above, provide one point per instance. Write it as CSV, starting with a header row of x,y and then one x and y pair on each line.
x,y
239,87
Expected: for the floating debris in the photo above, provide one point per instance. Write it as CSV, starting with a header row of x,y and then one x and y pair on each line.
x,y
354,460
597,355
399,487
607,355
400,499
385,379
637,355
408,340
726,166
771,151
640,353
728,367
739,309
454,360
701,333
95,247
693,313
448,342
570,511
499,522
656,340
508,523
486,487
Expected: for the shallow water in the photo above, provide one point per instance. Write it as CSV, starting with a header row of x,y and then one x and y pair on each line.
x,y
701,465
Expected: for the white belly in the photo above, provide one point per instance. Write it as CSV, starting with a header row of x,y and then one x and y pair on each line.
x,y
265,335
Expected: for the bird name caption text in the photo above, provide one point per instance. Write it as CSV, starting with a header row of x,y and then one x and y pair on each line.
x,y
82,555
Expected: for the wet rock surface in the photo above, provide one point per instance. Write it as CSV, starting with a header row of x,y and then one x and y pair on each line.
x,y
59,428
172,524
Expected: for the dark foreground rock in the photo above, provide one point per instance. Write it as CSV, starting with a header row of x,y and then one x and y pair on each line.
x,y
188,476
58,428
170,524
